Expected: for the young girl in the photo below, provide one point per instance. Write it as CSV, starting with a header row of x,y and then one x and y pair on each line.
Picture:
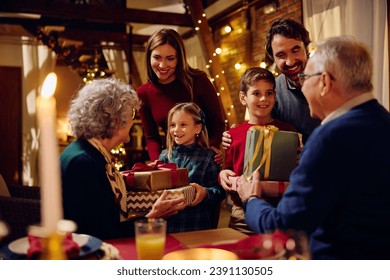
x,y
188,147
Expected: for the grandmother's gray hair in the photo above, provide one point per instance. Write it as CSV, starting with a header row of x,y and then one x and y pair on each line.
x,y
346,60
99,107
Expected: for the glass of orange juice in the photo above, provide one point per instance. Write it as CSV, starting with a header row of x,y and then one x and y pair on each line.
x,y
150,238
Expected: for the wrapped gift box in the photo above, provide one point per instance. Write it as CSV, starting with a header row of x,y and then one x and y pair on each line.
x,y
274,151
268,188
143,201
154,180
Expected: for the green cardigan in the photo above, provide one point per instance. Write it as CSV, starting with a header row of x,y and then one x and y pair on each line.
x,y
87,196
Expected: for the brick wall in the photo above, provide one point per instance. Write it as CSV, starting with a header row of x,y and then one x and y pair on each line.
x,y
246,43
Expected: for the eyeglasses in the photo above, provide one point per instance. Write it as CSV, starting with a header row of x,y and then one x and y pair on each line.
x,y
303,77
134,115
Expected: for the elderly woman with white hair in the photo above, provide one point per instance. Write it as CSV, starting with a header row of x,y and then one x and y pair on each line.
x,y
94,192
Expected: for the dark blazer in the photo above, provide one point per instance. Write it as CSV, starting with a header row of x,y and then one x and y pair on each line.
x,y
87,196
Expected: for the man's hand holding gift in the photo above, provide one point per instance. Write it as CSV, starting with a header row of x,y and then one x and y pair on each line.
x,y
248,189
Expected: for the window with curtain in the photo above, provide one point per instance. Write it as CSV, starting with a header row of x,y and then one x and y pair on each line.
x,y
364,19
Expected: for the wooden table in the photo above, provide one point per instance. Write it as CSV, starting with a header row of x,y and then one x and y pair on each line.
x,y
196,238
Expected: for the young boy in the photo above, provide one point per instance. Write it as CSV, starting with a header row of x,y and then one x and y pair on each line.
x,y
257,93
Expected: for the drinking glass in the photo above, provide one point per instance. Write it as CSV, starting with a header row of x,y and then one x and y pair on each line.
x,y
150,237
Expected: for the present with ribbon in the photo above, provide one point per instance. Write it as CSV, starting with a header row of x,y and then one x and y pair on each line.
x,y
271,151
143,201
157,176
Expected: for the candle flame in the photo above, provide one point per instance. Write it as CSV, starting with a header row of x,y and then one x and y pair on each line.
x,y
49,85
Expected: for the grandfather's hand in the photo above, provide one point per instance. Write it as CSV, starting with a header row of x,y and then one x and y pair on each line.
x,y
227,139
164,208
200,194
247,188
224,179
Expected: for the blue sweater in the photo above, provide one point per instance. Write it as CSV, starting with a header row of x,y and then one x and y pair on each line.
x,y
340,192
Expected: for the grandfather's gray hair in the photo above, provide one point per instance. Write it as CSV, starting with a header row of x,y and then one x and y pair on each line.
x,y
346,60
99,107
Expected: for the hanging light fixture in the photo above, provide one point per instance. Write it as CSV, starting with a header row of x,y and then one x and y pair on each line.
x,y
270,8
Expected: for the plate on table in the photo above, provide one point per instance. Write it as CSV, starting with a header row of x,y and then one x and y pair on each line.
x,y
17,249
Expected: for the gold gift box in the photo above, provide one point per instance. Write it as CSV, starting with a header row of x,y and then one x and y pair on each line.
x,y
156,179
143,201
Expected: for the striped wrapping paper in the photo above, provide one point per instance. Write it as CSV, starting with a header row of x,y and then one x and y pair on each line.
x,y
143,201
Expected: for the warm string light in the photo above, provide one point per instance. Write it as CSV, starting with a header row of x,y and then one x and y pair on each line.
x,y
119,155
217,51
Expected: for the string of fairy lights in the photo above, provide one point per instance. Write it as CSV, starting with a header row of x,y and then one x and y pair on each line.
x,y
217,74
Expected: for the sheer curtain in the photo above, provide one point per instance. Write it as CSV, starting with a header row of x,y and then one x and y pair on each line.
x,y
117,62
38,61
364,19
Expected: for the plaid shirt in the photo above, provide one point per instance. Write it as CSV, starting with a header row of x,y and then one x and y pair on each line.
x,y
202,170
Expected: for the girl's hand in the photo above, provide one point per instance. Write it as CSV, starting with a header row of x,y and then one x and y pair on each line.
x,y
200,194
153,163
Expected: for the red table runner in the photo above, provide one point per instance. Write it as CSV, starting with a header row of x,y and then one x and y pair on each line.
x,y
127,249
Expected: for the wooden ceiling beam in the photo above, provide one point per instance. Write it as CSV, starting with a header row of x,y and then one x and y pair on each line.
x,y
97,13
77,30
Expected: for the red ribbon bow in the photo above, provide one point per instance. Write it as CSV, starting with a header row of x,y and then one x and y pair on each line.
x,y
158,165
140,167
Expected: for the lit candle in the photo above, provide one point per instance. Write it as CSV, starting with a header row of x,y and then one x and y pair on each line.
x,y
51,198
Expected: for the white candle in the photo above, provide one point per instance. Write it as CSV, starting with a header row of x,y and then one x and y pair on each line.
x,y
51,197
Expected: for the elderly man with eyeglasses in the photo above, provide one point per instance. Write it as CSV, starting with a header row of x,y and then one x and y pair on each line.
x,y
340,192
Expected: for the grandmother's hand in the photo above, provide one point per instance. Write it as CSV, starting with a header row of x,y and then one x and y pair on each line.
x,y
164,208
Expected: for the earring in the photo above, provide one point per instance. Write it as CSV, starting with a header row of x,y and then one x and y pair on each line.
x,y
197,135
